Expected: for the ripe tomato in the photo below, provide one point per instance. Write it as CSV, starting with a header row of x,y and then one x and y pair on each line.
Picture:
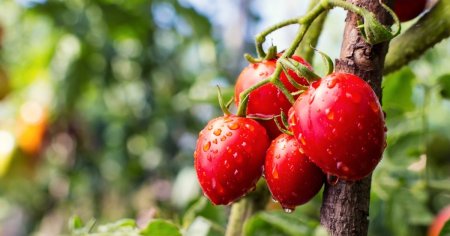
x,y
268,100
408,9
340,125
292,178
229,157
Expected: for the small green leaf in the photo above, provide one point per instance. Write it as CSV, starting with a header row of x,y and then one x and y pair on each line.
x,y
444,84
161,228
75,222
398,91
278,223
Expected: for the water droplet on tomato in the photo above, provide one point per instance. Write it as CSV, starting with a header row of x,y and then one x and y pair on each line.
x,y
229,134
215,151
342,166
360,126
375,107
355,97
329,151
275,173
331,83
302,139
332,180
329,114
288,209
210,127
217,132
300,149
235,155
233,126
236,172
206,146
244,144
278,156
274,200
215,141
223,138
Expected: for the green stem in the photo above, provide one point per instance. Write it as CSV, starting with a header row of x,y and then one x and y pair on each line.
x,y
261,37
312,36
239,213
243,97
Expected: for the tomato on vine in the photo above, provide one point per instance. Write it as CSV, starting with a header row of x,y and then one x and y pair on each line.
x,y
340,125
229,157
267,101
291,177
409,9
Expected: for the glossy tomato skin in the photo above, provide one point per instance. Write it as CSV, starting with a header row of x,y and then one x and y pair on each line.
x,y
268,100
340,125
292,178
229,157
409,9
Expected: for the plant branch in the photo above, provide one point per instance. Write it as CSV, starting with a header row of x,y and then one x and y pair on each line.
x,y
429,30
239,212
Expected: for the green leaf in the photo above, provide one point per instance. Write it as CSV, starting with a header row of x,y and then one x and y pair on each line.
x,y
444,83
278,223
161,228
75,222
398,91
446,229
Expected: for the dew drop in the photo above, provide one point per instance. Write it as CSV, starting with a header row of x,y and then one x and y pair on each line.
x,y
355,97
233,126
244,144
274,200
375,107
331,83
235,155
275,173
215,151
278,156
236,172
288,209
329,151
342,166
302,140
206,146
223,138
332,180
300,149
217,132
229,134
360,126
210,127
215,141
329,114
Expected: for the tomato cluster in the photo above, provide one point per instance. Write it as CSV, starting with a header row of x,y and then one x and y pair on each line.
x,y
335,127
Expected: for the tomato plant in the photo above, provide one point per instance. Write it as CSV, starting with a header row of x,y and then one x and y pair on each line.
x,y
339,124
267,101
291,177
229,157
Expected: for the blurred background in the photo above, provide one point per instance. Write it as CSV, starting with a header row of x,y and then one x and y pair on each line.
x,y
101,102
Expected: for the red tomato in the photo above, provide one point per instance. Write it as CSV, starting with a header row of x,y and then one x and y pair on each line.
x,y
409,9
268,100
229,157
340,125
292,178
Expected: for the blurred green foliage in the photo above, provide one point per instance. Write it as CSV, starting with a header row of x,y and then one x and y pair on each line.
x,y
121,89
